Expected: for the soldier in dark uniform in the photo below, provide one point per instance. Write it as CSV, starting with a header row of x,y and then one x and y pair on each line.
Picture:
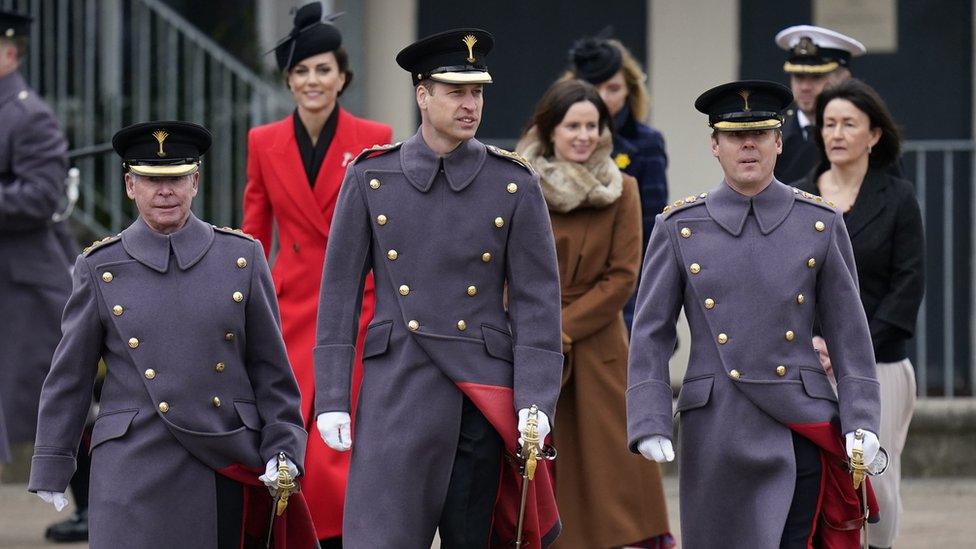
x,y
447,225
818,58
199,395
754,263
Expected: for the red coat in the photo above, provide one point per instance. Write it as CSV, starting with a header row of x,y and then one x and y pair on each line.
x,y
278,193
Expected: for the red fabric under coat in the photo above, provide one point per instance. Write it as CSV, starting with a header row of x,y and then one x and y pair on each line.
x,y
293,529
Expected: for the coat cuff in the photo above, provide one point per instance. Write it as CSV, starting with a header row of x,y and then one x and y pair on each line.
x,y
859,401
333,371
51,473
538,377
649,412
284,437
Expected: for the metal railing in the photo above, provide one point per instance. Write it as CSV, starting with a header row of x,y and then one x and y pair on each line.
x,y
944,355
104,64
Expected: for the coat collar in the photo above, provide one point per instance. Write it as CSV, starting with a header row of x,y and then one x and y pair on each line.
x,y
420,164
868,203
11,85
730,209
150,248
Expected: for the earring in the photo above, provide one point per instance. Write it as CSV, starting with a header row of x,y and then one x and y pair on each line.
x,y
869,149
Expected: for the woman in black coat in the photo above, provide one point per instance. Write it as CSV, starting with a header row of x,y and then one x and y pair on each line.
x,y
858,142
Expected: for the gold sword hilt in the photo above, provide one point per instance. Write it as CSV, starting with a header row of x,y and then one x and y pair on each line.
x,y
285,486
530,443
858,468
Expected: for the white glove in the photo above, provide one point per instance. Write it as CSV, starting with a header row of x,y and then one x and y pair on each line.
x,y
56,499
870,446
656,448
335,430
544,427
270,476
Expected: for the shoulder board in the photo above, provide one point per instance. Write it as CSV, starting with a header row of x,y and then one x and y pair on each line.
x,y
683,203
813,199
512,156
100,243
377,150
235,232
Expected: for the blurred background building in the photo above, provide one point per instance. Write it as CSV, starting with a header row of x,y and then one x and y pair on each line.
x,y
104,64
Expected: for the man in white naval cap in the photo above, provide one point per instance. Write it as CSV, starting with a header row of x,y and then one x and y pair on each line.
x,y
818,58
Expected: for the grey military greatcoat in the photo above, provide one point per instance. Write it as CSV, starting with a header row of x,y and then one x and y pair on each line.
x,y
752,274
34,279
197,380
444,238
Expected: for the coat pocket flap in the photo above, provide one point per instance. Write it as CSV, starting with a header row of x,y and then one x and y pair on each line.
x,y
111,425
498,343
248,412
694,394
816,384
377,338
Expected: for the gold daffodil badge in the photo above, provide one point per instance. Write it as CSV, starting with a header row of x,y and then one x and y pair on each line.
x,y
470,41
622,160
160,136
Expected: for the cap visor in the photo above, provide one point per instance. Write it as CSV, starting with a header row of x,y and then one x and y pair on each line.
x,y
164,171
742,126
796,68
472,77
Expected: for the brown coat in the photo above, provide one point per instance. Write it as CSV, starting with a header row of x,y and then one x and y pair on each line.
x,y
608,497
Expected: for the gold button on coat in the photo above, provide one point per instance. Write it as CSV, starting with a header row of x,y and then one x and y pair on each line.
x,y
709,303
163,407
229,336
800,299
462,325
238,297
486,257
695,268
150,374
107,276
392,255
686,232
723,339
374,183
216,402
413,325
117,310
381,219
781,370
499,222
790,336
811,263
220,366
404,290
819,225
241,263
472,291
133,343
512,188
734,374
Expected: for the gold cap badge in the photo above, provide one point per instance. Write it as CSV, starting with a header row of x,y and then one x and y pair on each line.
x,y
470,41
160,136
745,97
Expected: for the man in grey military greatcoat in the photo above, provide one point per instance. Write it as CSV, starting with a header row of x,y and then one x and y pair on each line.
x,y
34,268
754,263
446,224
198,394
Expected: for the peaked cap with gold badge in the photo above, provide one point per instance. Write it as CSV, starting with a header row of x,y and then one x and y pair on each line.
x,y
745,105
816,50
456,56
162,149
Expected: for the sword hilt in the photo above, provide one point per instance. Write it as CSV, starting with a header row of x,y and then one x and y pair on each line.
x,y
858,468
285,486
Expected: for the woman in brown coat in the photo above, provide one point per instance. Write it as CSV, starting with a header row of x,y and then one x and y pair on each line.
x,y
607,496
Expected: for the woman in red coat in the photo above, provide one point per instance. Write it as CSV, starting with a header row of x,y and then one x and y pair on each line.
x,y
294,169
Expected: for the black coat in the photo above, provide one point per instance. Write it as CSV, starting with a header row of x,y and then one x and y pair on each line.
x,y
799,155
885,225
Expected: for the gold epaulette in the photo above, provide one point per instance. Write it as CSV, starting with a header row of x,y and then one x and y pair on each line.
x,y
99,243
380,149
683,203
233,231
813,199
513,156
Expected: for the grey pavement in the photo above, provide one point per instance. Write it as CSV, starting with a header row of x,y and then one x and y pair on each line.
x,y
939,512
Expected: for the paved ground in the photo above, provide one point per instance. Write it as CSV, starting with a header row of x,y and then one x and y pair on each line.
x,y
938,513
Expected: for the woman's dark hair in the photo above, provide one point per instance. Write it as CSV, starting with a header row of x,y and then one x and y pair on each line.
x,y
342,62
557,100
866,99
